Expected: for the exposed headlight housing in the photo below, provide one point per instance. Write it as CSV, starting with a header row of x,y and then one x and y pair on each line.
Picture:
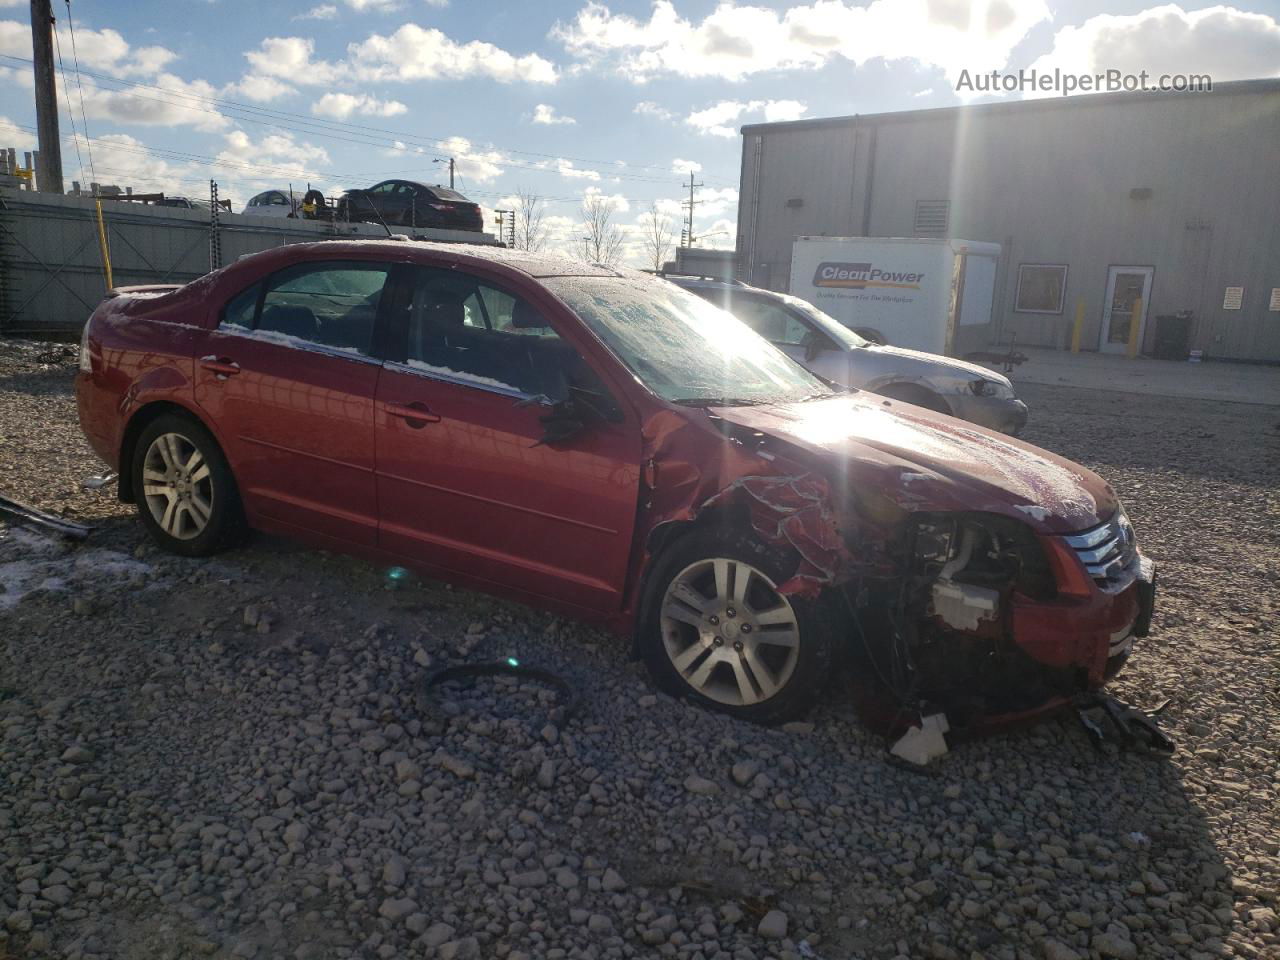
x,y
1004,552
990,388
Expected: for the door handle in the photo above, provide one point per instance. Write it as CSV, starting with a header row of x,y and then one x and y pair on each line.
x,y
221,366
416,415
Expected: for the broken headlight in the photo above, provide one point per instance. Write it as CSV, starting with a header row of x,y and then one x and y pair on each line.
x,y
982,549
991,388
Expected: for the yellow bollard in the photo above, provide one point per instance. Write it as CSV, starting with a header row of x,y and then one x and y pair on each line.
x,y
1079,325
102,242
1135,323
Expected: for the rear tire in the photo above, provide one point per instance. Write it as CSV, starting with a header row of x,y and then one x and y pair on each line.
x,y
715,630
916,394
186,495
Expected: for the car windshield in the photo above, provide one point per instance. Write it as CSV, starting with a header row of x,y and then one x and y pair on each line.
x,y
829,324
681,347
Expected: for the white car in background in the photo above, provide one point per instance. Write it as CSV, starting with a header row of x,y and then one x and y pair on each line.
x,y
273,203
826,347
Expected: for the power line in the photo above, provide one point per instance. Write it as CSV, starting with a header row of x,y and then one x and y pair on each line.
x,y
71,114
371,135
84,122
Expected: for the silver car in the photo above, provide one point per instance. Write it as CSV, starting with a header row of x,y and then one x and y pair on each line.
x,y
272,203
831,350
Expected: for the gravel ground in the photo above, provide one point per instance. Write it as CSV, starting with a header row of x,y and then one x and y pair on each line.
x,y
229,758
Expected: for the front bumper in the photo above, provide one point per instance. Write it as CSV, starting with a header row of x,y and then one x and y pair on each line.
x,y
1006,414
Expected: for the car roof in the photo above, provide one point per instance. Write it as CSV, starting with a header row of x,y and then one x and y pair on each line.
x,y
536,265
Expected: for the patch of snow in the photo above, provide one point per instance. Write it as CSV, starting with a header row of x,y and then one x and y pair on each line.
x,y
1031,510
30,561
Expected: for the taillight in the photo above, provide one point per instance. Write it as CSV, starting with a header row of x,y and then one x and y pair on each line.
x,y
86,363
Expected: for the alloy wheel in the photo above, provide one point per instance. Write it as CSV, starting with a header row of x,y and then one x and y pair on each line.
x,y
177,486
728,632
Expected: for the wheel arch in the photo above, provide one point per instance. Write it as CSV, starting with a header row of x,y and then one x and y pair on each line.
x,y
916,392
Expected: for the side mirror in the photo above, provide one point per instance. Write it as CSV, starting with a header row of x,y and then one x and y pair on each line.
x,y
566,418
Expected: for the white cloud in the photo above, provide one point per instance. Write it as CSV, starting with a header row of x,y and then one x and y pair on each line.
x,y
380,6
260,89
272,150
1224,42
101,51
188,105
617,202
11,135
545,113
733,42
717,119
325,11
290,59
685,167
712,201
343,105
647,108
567,170
420,53
477,165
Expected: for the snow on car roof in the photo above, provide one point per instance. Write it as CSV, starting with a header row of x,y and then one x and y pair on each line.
x,y
534,264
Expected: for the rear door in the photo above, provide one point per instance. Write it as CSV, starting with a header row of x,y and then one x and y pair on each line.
x,y
288,378
464,482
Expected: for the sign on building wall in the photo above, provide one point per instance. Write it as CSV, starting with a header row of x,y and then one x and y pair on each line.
x,y
1232,299
1275,299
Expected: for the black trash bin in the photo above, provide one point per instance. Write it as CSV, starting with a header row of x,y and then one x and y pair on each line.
x,y
1173,337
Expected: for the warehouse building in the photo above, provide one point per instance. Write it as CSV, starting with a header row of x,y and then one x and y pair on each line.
x,y
1171,198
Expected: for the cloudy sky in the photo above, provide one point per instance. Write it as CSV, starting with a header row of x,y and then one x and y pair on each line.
x,y
561,98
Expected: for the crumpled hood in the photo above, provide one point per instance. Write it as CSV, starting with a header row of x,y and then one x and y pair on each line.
x,y
928,461
932,362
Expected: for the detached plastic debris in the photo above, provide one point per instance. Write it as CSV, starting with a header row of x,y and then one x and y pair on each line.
x,y
925,742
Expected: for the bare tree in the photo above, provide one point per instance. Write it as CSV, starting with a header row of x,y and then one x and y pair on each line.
x,y
656,236
531,230
601,239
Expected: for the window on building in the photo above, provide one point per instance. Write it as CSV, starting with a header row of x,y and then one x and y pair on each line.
x,y
932,217
1041,287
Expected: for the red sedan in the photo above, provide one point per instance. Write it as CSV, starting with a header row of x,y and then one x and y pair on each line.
x,y
604,444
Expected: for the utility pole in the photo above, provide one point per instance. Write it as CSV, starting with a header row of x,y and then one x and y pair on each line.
x,y
441,160
690,203
49,162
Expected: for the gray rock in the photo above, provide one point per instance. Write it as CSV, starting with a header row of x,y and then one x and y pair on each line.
x,y
700,785
1111,944
396,910
1055,950
77,754
437,934
19,921
773,925
612,881
468,948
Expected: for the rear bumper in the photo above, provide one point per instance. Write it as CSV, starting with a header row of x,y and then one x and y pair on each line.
x,y
1006,414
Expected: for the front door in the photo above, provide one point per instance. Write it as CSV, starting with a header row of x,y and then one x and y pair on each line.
x,y
1122,315
289,378
464,483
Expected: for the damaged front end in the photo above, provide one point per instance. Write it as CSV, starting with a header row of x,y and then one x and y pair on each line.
x,y
984,617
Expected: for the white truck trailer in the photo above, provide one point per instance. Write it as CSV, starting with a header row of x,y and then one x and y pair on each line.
x,y
931,295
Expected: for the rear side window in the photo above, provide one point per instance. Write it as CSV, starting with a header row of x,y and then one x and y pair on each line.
x,y
333,304
240,309
770,321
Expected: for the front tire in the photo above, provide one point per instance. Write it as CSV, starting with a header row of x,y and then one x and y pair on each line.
x,y
186,495
716,630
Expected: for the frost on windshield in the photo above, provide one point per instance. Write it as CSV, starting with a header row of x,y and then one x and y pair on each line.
x,y
680,346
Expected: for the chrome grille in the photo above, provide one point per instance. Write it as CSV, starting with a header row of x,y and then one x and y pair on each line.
x,y
1108,551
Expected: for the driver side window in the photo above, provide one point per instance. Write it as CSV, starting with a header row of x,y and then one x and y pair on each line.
x,y
464,329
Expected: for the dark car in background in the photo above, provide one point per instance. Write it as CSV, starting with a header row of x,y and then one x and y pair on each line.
x,y
409,204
